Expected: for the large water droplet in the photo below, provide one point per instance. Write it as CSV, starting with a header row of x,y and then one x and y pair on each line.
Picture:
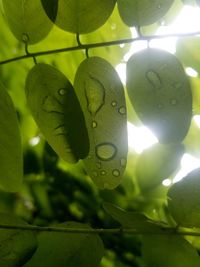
x,y
122,110
95,95
62,91
123,162
106,151
154,79
94,124
116,173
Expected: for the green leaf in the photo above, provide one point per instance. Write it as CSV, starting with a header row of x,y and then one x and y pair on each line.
x,y
57,112
135,220
16,246
68,249
169,251
79,16
157,163
27,20
11,160
101,95
184,201
142,12
160,93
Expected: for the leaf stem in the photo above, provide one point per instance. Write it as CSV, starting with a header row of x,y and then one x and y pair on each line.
x,y
96,45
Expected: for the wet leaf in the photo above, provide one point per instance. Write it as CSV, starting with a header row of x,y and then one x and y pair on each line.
x,y
57,112
68,249
11,162
142,12
79,16
184,201
169,251
16,246
101,95
160,93
158,163
23,21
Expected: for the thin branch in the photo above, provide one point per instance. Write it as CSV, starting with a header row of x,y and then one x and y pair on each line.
x,y
97,45
132,231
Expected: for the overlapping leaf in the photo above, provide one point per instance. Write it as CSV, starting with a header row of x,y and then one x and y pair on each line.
x,y
79,16
184,201
142,12
101,95
27,20
16,246
11,162
57,112
68,249
160,93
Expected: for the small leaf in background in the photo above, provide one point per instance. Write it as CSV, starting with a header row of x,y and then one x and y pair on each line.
x,y
57,112
169,251
11,157
135,220
157,163
79,16
101,95
142,12
27,20
16,246
68,249
184,200
160,93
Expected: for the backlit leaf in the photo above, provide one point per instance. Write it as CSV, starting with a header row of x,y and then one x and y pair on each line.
x,y
27,20
16,246
142,12
160,93
157,163
11,163
57,112
184,201
79,16
169,251
68,249
101,95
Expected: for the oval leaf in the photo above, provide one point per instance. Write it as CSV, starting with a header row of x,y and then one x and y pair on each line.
x,y
142,12
68,249
27,20
184,200
101,95
11,156
57,112
169,251
157,163
16,246
79,16
160,93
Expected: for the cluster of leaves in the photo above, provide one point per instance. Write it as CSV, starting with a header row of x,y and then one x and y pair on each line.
x,y
88,121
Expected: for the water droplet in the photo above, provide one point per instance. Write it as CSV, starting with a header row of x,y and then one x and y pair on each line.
x,y
173,101
154,79
98,165
95,174
25,37
116,173
106,151
103,172
122,110
123,162
114,104
177,85
95,95
94,124
159,6
62,91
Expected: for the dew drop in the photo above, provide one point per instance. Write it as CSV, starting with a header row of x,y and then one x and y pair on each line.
x,y
114,104
122,110
94,124
123,162
95,95
106,151
62,91
103,172
25,37
159,6
154,79
173,102
116,173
